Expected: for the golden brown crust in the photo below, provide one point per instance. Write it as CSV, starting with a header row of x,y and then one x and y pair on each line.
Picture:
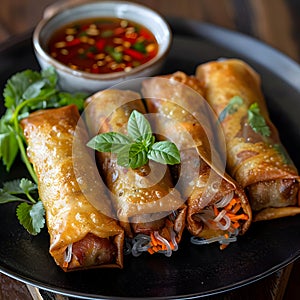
x,y
252,157
69,215
188,123
275,213
145,192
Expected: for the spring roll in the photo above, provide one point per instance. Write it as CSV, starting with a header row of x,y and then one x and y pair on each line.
x,y
150,210
80,235
256,157
218,209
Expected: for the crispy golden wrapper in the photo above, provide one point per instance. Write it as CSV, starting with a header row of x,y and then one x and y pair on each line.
x,y
184,119
80,236
144,198
256,157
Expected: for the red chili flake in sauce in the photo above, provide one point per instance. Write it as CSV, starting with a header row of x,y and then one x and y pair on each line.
x,y
103,45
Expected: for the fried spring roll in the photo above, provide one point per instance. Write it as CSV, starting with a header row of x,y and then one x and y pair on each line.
x,y
256,157
80,235
150,210
217,207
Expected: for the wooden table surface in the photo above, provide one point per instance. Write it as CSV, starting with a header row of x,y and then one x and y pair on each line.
x,y
275,22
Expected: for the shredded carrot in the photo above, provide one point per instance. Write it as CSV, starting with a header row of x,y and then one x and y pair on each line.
x,y
236,208
230,204
236,224
151,251
216,212
155,248
234,217
153,239
223,246
232,209
157,245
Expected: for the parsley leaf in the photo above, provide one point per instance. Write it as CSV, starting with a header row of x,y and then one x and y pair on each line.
x,y
8,143
18,187
257,121
13,187
31,216
17,85
6,197
283,153
30,212
138,147
25,92
27,186
233,105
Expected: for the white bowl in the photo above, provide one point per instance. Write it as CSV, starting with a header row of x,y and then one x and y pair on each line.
x,y
78,81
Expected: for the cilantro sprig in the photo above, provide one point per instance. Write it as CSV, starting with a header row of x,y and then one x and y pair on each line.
x,y
232,107
24,93
255,118
30,211
257,121
135,149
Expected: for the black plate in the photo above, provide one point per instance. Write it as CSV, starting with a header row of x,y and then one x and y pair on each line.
x,y
192,271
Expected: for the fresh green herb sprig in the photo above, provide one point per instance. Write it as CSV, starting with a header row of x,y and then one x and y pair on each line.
x,y
135,149
257,121
25,92
30,212
232,107
255,118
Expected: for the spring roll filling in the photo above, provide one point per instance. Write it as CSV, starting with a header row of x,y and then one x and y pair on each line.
x,y
90,251
221,221
159,236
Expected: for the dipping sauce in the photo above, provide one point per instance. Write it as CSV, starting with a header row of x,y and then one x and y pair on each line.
x,y
103,45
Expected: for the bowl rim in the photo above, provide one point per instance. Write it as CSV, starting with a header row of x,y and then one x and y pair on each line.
x,y
60,7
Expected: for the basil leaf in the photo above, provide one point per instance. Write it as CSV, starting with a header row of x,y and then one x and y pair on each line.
x,y
123,158
165,153
109,142
136,149
233,105
134,156
137,156
31,216
257,121
138,126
